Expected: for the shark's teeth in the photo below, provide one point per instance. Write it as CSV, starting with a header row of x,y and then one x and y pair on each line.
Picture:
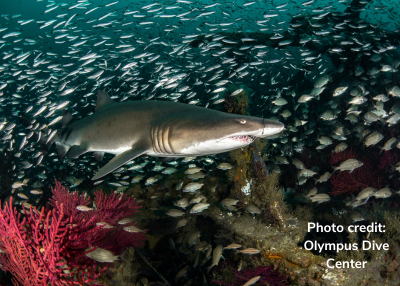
x,y
244,138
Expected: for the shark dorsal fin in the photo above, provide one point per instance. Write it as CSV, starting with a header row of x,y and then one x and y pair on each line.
x,y
67,118
103,99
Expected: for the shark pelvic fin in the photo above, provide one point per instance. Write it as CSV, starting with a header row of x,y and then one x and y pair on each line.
x,y
119,160
98,155
61,149
77,150
103,99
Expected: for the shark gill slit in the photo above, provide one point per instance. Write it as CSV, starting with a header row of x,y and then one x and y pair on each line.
x,y
167,147
152,138
155,138
161,139
263,123
158,143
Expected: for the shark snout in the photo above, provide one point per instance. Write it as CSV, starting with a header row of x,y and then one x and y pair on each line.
x,y
280,127
272,127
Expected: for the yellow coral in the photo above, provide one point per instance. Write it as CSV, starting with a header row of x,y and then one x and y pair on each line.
x,y
261,143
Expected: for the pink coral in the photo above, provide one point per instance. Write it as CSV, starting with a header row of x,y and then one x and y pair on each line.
x,y
109,209
48,246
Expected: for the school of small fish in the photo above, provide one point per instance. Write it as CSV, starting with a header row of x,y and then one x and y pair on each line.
x,y
329,74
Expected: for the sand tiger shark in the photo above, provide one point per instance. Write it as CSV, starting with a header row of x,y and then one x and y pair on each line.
x,y
156,128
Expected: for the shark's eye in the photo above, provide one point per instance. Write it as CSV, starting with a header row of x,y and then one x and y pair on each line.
x,y
242,121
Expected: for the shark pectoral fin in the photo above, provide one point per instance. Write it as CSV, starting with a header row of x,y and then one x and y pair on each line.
x,y
98,155
77,150
119,160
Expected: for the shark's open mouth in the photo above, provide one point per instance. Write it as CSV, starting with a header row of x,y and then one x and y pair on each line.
x,y
243,138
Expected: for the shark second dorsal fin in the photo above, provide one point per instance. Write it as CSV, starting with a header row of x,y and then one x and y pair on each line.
x,y
103,99
67,118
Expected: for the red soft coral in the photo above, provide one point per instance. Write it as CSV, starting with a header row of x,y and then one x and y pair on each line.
x,y
346,182
44,247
